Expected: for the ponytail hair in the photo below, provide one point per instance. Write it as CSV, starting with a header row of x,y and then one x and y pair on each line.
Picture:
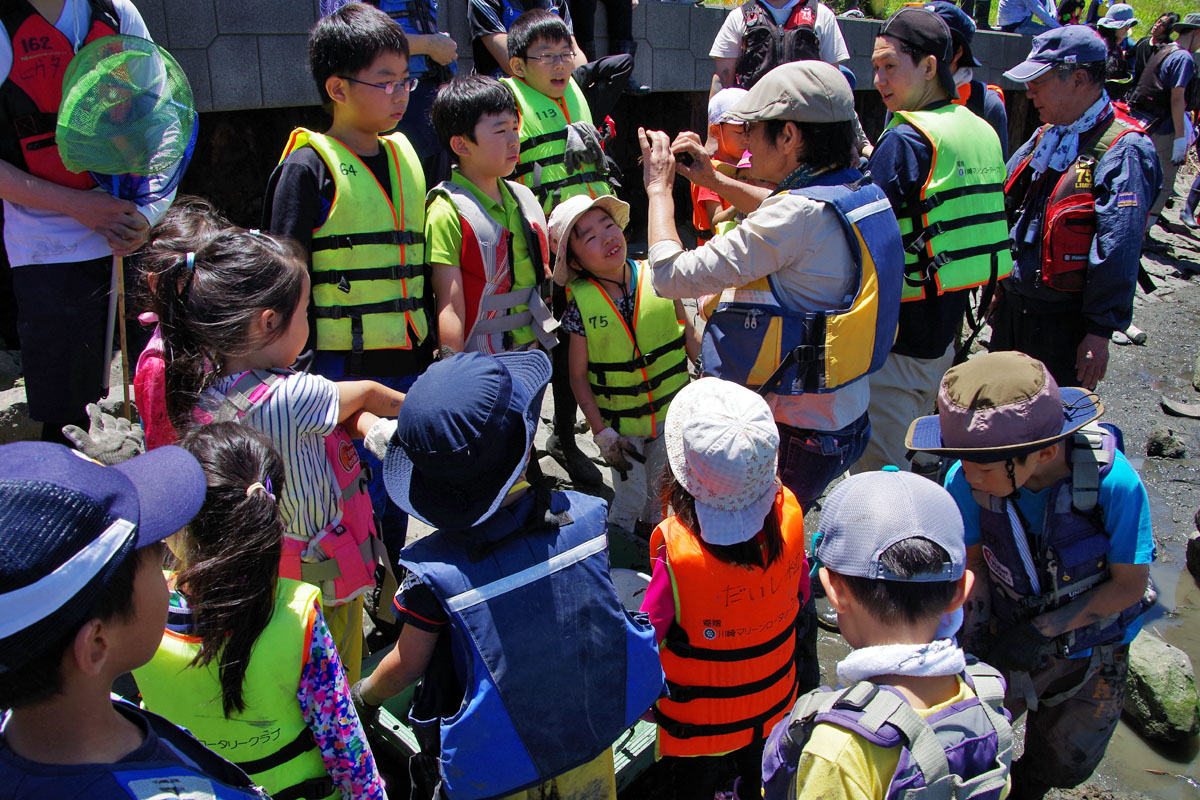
x,y
758,551
231,552
206,300
188,224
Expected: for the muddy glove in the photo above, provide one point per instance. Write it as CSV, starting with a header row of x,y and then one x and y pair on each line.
x,y
1178,151
368,714
1021,648
583,146
108,439
378,436
614,448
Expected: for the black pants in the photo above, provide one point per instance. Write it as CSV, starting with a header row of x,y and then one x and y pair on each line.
x,y
1049,333
619,14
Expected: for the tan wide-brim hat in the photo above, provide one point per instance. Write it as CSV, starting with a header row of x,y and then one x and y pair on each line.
x,y
563,219
800,91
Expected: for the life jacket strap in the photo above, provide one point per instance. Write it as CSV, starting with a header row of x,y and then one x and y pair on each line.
x,y
676,641
934,200
756,723
926,268
303,742
541,139
649,407
639,361
914,243
683,694
643,387
342,278
397,306
311,789
339,241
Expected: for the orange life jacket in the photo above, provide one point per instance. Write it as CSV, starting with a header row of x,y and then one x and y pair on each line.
x,y
730,654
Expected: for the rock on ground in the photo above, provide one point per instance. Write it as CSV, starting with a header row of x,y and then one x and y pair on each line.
x,y
1165,443
1160,697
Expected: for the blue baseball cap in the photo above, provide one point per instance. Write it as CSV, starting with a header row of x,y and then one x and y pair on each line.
x,y
1070,44
463,436
962,29
67,524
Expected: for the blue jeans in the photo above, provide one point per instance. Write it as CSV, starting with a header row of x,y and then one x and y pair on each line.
x,y
389,519
809,460
1030,26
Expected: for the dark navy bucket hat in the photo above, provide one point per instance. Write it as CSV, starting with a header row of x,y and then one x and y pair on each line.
x,y
463,435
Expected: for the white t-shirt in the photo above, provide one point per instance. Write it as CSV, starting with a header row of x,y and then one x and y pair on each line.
x,y
38,236
728,42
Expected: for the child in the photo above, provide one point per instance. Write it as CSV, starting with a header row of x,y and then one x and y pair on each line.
x,y
355,202
486,235
554,113
729,136
233,321
83,600
628,349
729,581
243,641
186,226
530,668
892,562
1046,497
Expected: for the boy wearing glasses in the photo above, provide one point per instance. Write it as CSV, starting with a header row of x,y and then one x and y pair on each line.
x,y
355,201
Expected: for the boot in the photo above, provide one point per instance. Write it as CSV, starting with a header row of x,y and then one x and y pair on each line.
x,y
1188,215
628,46
982,15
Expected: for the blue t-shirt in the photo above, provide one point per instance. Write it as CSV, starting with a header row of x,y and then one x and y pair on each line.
x,y
1126,517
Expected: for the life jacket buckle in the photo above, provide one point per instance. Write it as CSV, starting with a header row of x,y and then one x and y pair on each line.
x,y
343,284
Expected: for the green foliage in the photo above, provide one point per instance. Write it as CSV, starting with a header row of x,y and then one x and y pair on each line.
x,y
1146,10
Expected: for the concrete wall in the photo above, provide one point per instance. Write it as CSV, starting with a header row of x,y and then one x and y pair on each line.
x,y
243,54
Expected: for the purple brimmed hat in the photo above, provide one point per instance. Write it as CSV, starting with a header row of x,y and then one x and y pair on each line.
x,y
998,406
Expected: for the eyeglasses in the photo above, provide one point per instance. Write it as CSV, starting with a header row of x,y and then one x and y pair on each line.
x,y
408,84
554,59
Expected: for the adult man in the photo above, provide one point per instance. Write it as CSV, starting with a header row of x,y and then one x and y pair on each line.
x,y
1166,90
985,100
791,256
941,168
60,231
762,34
1075,271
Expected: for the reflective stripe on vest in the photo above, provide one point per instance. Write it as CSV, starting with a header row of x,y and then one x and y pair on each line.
x,y
960,236
756,340
544,143
32,93
959,752
730,655
269,740
502,295
634,374
1070,556
368,257
554,667
1068,214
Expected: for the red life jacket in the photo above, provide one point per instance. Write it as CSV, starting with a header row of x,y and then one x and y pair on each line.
x,y
32,93
1069,210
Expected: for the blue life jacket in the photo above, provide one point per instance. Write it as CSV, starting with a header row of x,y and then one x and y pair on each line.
x,y
419,17
963,751
553,666
1071,555
755,340
196,772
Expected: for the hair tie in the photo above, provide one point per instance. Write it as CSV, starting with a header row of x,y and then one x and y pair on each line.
x,y
191,261
258,486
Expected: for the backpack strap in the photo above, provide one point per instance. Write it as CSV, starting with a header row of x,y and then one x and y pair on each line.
x,y
988,684
250,389
1089,460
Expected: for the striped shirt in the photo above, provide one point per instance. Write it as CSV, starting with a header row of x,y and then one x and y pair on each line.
x,y
301,411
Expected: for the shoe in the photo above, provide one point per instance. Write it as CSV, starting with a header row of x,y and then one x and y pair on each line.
x,y
1152,245
578,466
1188,218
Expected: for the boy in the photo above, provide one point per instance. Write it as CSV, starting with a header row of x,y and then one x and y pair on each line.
x,y
83,600
521,688
628,351
355,202
892,561
1046,497
727,135
486,235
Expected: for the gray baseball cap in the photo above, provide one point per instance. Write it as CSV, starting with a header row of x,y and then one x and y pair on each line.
x,y
869,512
800,91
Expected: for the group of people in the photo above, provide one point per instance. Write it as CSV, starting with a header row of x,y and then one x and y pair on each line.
x,y
378,351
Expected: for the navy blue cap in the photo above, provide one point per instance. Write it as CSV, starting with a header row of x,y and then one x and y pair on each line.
x,y
1070,44
962,29
66,526
463,435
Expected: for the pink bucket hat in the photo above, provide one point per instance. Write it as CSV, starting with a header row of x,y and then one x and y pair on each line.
x,y
723,448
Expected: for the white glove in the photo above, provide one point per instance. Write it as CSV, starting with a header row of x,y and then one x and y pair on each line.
x,y
1179,150
378,436
613,447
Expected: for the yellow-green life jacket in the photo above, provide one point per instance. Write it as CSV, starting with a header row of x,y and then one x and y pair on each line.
x,y
635,373
269,740
544,123
368,257
956,235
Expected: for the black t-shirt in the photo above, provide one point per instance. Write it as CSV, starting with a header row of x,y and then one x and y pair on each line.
x,y
497,16
299,195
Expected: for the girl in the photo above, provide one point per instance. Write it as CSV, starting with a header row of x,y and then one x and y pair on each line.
x,y
247,663
187,225
727,591
233,316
